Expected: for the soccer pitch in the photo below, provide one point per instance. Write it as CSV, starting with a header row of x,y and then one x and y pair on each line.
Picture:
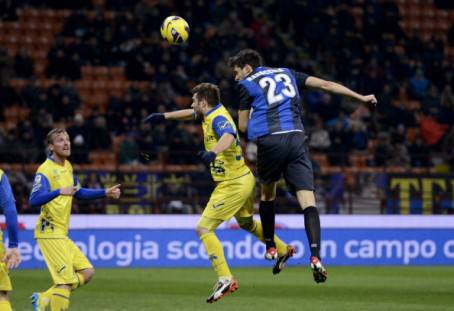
x,y
348,288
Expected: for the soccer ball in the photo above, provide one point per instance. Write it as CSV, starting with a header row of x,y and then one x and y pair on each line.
x,y
175,30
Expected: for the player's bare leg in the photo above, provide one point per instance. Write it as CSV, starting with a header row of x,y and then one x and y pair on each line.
x,y
84,276
267,217
306,199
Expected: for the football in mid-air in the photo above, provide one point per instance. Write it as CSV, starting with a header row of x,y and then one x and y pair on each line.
x,y
175,30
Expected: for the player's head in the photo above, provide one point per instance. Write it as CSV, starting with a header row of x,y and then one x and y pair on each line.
x,y
58,143
244,63
204,97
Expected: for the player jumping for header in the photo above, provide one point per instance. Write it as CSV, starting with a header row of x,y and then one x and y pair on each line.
x,y
275,124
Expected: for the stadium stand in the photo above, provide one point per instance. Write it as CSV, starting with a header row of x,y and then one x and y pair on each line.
x,y
99,70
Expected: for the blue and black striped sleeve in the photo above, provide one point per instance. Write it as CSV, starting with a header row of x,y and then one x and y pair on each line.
x,y
246,99
8,206
300,79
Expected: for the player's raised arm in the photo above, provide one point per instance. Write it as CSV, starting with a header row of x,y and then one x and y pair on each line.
x,y
156,117
336,88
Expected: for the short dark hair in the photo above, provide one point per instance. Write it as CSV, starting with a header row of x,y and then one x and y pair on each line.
x,y
246,57
208,91
52,133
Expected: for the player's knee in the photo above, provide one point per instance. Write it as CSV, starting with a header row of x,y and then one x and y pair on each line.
x,y
3,295
305,198
88,274
267,197
246,223
201,231
267,193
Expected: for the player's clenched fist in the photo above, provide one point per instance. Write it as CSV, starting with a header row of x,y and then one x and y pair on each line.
x,y
12,258
369,99
113,192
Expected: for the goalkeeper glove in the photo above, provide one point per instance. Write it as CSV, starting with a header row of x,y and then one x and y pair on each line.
x,y
207,157
154,118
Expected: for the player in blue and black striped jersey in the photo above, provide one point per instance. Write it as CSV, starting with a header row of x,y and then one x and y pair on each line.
x,y
270,111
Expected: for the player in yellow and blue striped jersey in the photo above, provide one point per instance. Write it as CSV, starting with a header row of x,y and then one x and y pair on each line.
x,y
53,190
235,184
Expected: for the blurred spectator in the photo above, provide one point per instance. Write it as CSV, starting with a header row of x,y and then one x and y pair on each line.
x,y
431,130
448,148
129,151
100,138
63,64
451,36
79,134
23,64
359,135
431,104
382,150
319,137
418,85
399,156
418,154
6,67
340,144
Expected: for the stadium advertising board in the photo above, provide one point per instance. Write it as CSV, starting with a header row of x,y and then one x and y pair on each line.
x,y
420,194
170,241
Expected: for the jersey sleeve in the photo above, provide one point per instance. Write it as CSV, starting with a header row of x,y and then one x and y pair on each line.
x,y
246,99
41,193
86,193
221,126
300,79
8,206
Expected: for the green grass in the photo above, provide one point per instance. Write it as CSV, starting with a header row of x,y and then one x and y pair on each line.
x,y
365,288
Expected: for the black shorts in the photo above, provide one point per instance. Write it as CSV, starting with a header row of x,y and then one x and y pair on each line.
x,y
286,154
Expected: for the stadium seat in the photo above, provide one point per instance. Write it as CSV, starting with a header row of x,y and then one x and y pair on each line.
x,y
102,157
321,159
17,84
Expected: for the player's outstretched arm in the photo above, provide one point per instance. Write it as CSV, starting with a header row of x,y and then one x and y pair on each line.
x,y
93,194
156,117
336,88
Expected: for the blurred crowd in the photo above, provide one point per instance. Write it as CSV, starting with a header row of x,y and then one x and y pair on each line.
x,y
412,126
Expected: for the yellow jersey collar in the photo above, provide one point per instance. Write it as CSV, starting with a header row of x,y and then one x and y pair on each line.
x,y
53,161
213,109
